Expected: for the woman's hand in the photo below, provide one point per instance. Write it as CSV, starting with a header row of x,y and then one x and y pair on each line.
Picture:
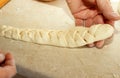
x,y
89,12
7,65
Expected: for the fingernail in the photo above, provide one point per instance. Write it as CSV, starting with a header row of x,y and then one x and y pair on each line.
x,y
99,47
100,44
115,15
69,1
2,57
91,45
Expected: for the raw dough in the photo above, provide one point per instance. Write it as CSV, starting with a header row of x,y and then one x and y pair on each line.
x,y
74,37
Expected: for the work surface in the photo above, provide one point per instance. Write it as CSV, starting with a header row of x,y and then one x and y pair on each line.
x,y
41,61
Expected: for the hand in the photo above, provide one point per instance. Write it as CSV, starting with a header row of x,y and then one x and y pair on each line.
x,y
93,12
7,66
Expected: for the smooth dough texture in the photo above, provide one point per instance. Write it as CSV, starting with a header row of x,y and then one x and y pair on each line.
x,y
74,37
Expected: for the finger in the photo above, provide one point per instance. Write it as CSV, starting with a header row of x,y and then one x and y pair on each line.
x,y
100,44
91,45
79,22
85,14
9,66
105,7
110,22
89,2
2,57
88,22
98,19
9,60
73,5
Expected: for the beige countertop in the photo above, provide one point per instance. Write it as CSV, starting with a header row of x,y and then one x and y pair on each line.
x,y
41,61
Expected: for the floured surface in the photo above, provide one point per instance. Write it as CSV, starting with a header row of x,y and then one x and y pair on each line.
x,y
35,14
40,61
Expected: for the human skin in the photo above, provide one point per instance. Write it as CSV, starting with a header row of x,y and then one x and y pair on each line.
x,y
7,65
93,12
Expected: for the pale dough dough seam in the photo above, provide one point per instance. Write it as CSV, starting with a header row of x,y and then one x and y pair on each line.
x,y
74,37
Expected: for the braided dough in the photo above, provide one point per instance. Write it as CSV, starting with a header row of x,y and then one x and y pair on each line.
x,y
74,37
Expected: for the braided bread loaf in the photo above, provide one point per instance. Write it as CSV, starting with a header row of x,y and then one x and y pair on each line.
x,y
74,37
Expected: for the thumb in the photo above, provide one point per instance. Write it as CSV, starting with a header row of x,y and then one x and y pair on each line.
x,y
9,60
105,7
9,65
